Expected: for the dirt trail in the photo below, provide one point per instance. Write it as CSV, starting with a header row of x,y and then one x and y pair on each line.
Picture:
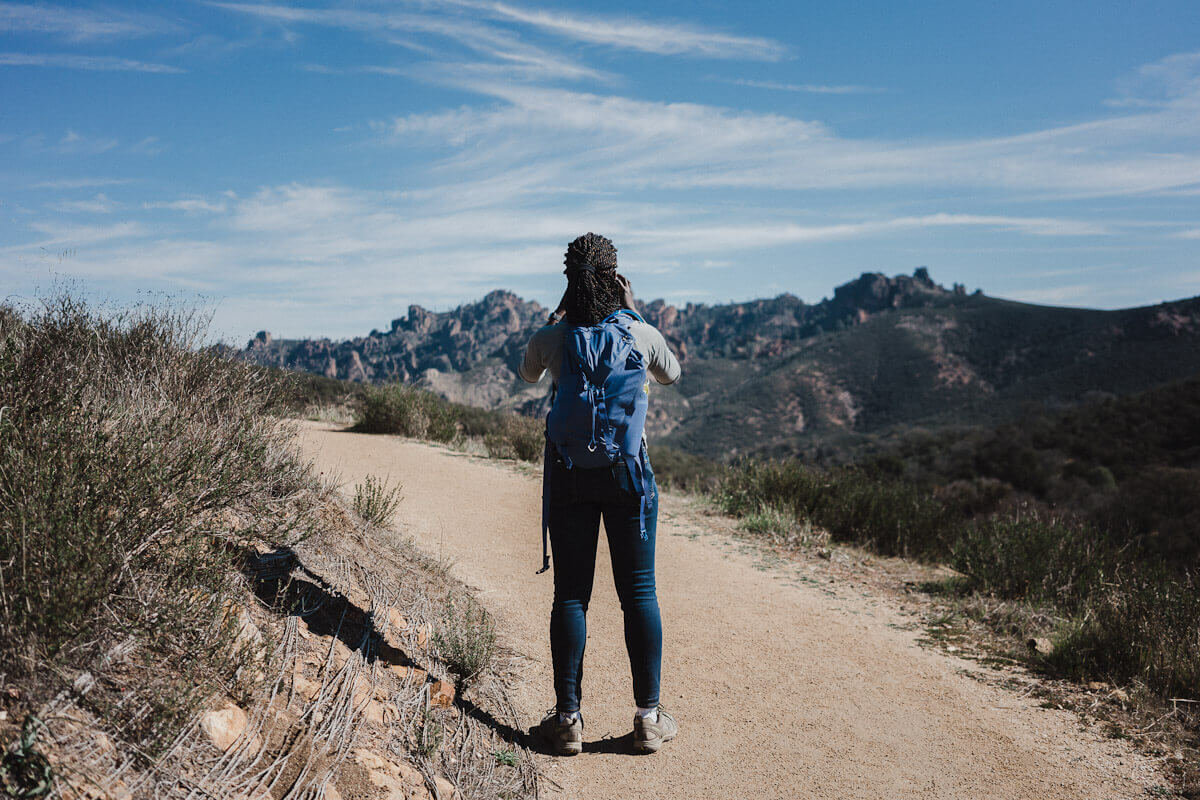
x,y
783,689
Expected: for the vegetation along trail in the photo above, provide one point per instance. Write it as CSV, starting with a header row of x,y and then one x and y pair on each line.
x,y
783,688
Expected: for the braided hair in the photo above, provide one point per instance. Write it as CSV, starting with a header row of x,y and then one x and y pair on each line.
x,y
592,288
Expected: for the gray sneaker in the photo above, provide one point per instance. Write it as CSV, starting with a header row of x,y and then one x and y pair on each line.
x,y
648,737
565,737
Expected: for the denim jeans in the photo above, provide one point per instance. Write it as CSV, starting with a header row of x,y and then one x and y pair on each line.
x,y
579,498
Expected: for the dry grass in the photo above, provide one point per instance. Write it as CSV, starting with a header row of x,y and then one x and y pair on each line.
x,y
134,468
139,474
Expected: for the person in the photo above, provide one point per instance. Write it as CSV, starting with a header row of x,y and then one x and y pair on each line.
x,y
579,497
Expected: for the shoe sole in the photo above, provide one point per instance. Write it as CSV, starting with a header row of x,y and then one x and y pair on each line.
x,y
651,746
564,747
570,748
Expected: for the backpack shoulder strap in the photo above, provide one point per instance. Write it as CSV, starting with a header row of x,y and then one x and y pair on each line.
x,y
629,312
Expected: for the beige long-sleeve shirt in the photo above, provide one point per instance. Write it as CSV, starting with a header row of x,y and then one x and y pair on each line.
x,y
544,352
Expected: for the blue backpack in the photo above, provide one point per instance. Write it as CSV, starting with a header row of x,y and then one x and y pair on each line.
x,y
598,411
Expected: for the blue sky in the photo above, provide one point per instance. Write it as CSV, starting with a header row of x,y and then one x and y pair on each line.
x,y
314,167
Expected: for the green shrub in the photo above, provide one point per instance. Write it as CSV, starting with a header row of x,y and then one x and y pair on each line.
x,y
1030,556
376,502
1142,627
407,411
477,421
893,517
421,414
676,469
522,438
465,640
768,521
430,735
306,394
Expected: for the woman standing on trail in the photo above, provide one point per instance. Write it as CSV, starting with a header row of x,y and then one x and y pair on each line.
x,y
596,466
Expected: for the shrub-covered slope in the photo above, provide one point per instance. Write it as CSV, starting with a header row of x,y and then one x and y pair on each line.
x,y
187,609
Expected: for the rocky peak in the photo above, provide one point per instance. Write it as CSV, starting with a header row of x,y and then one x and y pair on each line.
x,y
419,320
498,326
873,291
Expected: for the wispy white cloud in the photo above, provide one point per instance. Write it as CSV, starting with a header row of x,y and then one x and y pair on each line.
x,y
147,146
644,35
188,205
619,123
362,69
1057,294
79,23
100,204
1189,234
80,183
308,225
623,142
76,143
334,248
648,36
810,88
1173,79
705,237
66,235
90,63
503,47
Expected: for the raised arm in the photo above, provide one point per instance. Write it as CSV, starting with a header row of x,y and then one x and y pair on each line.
x,y
662,366
537,355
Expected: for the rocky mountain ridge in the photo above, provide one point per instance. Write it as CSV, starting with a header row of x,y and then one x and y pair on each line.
x,y
883,356
499,326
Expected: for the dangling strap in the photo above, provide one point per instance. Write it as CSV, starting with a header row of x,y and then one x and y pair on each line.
x,y
545,509
637,471
546,491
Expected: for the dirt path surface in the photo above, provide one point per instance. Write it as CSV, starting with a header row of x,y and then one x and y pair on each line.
x,y
783,687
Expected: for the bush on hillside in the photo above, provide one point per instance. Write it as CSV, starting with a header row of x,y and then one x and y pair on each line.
x,y
465,641
1142,627
407,411
1032,557
123,453
522,438
896,518
1158,511
676,469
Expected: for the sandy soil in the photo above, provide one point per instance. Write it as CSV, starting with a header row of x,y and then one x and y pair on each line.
x,y
784,686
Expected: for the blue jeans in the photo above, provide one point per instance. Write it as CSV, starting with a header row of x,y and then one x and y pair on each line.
x,y
578,500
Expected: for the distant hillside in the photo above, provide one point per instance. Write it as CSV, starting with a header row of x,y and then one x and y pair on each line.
x,y
1130,465
781,376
